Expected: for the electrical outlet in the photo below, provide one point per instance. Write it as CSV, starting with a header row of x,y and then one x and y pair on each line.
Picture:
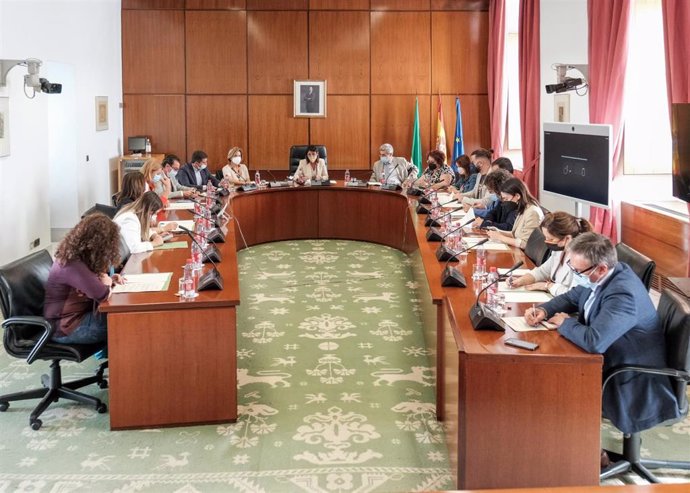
x,y
87,158
35,243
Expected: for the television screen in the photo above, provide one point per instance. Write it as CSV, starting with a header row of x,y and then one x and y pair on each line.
x,y
577,162
136,144
680,131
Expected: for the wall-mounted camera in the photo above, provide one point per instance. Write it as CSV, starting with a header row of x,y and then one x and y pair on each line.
x,y
565,83
31,79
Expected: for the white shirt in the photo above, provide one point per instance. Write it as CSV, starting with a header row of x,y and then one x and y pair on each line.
x,y
130,229
590,301
197,174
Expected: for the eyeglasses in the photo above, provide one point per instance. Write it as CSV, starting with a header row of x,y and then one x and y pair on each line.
x,y
579,272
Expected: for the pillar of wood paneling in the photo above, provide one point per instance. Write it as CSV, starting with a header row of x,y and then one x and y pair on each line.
x,y
160,117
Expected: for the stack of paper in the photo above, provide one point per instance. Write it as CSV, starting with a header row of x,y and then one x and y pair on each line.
x,y
139,283
181,205
518,324
187,223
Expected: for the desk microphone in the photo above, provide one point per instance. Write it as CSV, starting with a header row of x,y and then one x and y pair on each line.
x,y
214,218
435,222
423,199
211,253
214,208
452,277
486,319
435,235
385,185
211,279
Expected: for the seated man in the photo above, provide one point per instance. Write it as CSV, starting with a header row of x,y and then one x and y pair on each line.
x,y
617,319
171,166
195,174
390,170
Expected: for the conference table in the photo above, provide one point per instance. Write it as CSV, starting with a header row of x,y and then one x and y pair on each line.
x,y
513,418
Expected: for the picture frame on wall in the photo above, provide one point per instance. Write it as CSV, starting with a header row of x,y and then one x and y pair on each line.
x,y
561,108
309,99
4,127
101,113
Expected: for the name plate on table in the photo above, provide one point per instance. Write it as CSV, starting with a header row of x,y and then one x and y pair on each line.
x,y
320,183
356,184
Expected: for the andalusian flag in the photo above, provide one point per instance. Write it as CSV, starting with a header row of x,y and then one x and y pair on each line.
x,y
441,131
458,144
416,156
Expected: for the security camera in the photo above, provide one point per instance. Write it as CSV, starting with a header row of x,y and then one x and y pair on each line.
x,y
31,79
567,85
49,87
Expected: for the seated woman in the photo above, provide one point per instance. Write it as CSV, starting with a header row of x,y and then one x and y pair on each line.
x,y
312,168
133,187
528,218
554,275
78,281
502,216
437,174
135,223
466,178
235,172
156,180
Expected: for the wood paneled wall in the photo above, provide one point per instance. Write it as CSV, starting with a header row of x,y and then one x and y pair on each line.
x,y
213,74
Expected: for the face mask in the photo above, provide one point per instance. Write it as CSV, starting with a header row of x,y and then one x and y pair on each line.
x,y
236,160
385,159
203,166
432,166
173,173
554,247
157,178
508,206
312,158
583,280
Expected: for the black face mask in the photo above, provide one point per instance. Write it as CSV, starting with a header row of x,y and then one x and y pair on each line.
x,y
554,247
508,206
432,166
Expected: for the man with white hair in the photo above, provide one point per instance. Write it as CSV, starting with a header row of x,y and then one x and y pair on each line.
x,y
390,170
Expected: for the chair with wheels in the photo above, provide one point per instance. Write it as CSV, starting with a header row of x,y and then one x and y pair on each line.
x,y
674,313
297,153
535,248
641,265
27,335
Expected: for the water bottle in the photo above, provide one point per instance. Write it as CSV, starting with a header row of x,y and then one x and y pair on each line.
x,y
209,193
347,176
257,178
148,146
480,268
189,287
493,288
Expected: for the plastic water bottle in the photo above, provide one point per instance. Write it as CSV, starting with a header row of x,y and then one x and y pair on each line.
x,y
257,178
148,146
481,261
493,288
347,176
189,287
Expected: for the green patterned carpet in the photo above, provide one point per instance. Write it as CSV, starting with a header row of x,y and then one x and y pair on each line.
x,y
335,394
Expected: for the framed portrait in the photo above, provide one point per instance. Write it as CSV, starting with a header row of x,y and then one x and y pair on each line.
x,y
101,113
561,108
4,127
309,99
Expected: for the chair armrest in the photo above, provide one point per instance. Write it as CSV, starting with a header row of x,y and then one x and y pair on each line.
x,y
650,370
38,321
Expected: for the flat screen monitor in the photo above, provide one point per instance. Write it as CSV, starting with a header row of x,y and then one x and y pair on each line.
x,y
680,131
577,162
136,144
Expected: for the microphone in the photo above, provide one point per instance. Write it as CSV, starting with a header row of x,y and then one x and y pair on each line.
x,y
211,253
435,222
483,320
435,235
424,210
452,277
214,208
275,183
394,186
211,279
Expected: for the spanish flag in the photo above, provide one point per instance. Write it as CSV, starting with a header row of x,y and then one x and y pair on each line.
x,y
441,131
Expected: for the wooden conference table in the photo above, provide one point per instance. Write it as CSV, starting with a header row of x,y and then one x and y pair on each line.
x,y
514,418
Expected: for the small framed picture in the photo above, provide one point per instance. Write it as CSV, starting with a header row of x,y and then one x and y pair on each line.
x,y
309,99
101,113
4,127
561,108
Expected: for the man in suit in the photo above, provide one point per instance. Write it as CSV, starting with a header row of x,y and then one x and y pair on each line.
x,y
195,174
391,170
171,167
615,317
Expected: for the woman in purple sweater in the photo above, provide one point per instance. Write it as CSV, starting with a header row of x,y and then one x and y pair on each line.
x,y
78,281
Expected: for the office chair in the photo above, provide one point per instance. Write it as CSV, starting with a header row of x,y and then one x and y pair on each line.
x,y
674,313
297,153
535,248
641,265
27,335
108,210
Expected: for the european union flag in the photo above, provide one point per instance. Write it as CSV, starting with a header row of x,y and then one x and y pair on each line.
x,y
458,145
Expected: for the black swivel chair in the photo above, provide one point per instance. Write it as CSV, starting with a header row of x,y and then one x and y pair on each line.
x,y
27,335
641,265
535,248
108,210
297,153
674,312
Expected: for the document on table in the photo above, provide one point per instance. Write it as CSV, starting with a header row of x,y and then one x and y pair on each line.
x,y
518,324
526,296
490,245
187,223
182,205
503,287
172,245
140,283
444,197
516,272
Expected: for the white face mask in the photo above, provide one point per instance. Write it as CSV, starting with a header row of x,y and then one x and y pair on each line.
x,y
203,166
236,160
173,173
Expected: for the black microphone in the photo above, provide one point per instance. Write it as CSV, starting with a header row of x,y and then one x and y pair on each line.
x,y
211,253
452,277
394,186
434,234
211,279
214,208
275,183
435,222
483,320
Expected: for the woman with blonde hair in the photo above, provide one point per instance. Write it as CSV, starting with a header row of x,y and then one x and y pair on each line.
x,y
135,223
156,180
235,172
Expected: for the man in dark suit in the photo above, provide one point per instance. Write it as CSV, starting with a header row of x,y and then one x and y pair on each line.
x,y
195,174
615,317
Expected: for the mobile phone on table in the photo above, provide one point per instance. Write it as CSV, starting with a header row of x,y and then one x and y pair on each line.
x,y
512,341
